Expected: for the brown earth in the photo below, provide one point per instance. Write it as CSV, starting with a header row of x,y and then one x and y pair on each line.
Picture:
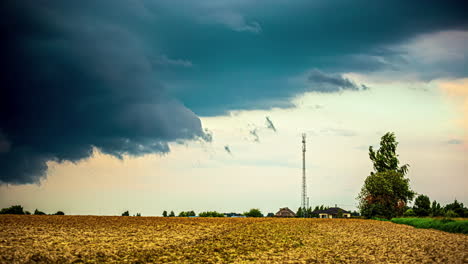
x,y
97,239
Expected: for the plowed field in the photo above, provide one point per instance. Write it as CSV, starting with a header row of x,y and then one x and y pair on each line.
x,y
67,239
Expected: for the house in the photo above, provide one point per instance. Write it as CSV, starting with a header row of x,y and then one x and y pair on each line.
x,y
285,212
333,212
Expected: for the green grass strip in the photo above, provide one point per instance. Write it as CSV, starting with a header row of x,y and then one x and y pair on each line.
x,y
447,225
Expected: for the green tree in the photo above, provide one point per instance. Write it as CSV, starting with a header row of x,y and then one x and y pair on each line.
x,y
171,214
270,215
457,208
165,213
385,158
450,214
386,191
211,214
309,212
59,213
15,209
436,209
422,205
126,213
299,212
254,212
182,214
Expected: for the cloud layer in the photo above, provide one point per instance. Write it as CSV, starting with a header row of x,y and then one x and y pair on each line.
x,y
77,76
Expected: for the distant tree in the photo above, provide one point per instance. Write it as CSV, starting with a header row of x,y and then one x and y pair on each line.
x,y
254,212
192,213
309,212
15,209
451,214
422,205
126,213
270,215
138,214
386,191
27,212
210,214
457,208
409,213
300,212
37,212
59,213
165,213
436,209
355,213
171,214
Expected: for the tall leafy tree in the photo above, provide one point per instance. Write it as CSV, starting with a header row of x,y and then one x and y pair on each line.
x,y
422,205
386,191
436,209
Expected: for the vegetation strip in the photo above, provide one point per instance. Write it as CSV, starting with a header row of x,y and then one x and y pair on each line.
x,y
448,225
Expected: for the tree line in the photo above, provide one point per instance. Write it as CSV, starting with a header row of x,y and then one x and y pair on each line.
x,y
254,212
423,207
18,210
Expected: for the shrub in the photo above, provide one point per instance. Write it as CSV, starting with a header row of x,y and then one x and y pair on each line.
x,y
211,214
15,209
409,212
59,213
450,214
37,212
126,213
254,213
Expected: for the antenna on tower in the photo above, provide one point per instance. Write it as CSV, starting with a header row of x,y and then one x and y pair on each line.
x,y
304,192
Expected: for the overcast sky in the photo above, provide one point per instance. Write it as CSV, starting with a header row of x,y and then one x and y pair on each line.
x,y
155,105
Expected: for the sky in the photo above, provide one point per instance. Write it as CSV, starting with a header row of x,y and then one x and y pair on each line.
x,y
152,105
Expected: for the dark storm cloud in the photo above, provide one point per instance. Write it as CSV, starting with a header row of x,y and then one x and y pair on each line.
x,y
77,75
331,83
330,35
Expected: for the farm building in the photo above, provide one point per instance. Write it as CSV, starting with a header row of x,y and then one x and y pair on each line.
x,y
285,212
333,212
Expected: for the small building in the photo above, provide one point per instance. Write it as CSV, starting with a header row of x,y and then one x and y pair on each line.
x,y
285,212
333,212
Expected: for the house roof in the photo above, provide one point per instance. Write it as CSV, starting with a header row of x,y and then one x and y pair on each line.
x,y
332,211
285,212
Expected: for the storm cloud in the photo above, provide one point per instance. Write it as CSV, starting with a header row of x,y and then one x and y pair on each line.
x,y
332,83
77,76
